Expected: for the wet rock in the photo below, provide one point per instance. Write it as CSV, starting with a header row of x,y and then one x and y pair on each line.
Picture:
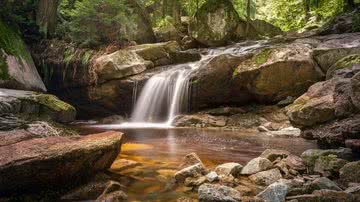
x,y
286,132
206,28
329,166
310,156
218,193
266,178
55,161
350,172
190,159
194,171
233,169
275,192
212,176
273,154
256,165
124,164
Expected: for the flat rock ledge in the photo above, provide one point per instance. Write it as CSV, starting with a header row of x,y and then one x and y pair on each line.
x,y
38,163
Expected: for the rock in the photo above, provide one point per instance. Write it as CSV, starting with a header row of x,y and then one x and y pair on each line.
x,y
17,69
266,178
275,192
123,164
256,165
189,160
315,106
331,195
286,132
212,176
196,170
323,183
329,166
295,162
141,28
335,47
194,182
233,169
350,172
244,190
43,105
214,23
346,62
120,64
260,74
355,90
55,161
218,193
310,156
273,154
353,144
264,28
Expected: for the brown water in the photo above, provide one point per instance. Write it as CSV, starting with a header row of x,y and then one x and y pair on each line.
x,y
160,152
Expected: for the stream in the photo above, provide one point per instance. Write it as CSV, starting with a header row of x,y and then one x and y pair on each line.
x,y
160,152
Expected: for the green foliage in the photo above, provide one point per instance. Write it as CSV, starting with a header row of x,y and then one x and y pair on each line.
x,y
93,22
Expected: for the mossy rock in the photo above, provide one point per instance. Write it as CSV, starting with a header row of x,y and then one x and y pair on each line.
x,y
17,69
214,24
344,63
51,107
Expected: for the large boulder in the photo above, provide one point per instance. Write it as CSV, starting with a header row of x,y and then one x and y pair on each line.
x,y
17,69
273,74
38,104
214,23
41,163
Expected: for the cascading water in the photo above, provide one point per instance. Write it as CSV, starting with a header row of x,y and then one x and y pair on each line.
x,y
165,95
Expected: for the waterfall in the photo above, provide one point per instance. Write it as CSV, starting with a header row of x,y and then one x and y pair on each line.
x,y
164,96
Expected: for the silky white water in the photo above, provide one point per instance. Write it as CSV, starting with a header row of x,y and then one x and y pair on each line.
x,y
166,95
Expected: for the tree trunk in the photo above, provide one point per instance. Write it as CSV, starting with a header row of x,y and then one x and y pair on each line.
x,y
306,4
349,5
46,16
248,19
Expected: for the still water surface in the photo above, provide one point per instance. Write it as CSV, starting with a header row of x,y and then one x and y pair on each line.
x,y
160,152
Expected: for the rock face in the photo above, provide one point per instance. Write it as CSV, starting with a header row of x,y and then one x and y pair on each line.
x,y
218,193
272,75
332,103
214,23
55,161
37,104
17,69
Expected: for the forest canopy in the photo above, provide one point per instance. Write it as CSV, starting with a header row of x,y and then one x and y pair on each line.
x,y
79,20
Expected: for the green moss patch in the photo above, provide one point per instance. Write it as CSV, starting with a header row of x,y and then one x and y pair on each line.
x,y
262,57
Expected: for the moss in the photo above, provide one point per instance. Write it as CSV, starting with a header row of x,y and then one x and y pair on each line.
x,y
12,44
262,57
53,103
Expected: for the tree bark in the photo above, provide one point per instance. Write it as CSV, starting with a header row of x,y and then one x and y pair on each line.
x,y
46,16
248,19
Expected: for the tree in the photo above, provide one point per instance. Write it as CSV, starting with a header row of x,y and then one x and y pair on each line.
x,y
46,16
